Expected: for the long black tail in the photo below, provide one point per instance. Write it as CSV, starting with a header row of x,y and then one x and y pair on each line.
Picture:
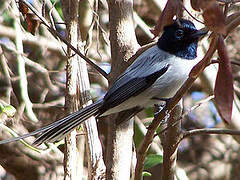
x,y
62,127
58,130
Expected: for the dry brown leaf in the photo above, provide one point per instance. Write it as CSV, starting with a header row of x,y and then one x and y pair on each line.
x,y
22,7
166,16
224,83
30,18
32,23
214,19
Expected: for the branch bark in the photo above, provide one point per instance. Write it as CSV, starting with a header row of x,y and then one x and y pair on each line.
x,y
78,95
21,68
123,46
206,131
170,142
72,101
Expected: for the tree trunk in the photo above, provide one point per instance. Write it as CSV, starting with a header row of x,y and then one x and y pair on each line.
x,y
123,46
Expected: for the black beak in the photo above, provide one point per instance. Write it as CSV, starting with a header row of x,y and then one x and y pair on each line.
x,y
198,34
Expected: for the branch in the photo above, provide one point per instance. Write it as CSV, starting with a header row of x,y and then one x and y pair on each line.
x,y
49,104
7,77
55,14
232,24
123,46
206,131
78,87
170,142
23,83
29,39
234,62
35,67
145,28
57,34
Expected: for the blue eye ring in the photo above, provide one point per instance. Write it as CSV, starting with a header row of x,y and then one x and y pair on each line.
x,y
179,33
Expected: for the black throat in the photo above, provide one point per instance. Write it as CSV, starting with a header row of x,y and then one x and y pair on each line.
x,y
186,50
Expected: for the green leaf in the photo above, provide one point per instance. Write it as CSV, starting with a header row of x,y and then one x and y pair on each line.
x,y
1,108
152,160
149,112
145,173
8,110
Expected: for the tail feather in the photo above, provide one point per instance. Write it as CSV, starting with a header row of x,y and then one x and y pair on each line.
x,y
74,123
38,131
60,128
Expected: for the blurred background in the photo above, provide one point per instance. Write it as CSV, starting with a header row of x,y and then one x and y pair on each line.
x,y
40,100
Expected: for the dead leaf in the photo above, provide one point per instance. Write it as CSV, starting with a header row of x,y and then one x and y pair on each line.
x,y
213,15
32,23
166,16
224,83
30,18
214,18
22,7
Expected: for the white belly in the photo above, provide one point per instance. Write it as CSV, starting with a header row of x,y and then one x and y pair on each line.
x,y
165,86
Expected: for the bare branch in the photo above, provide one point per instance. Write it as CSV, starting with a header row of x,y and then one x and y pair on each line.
x,y
29,39
237,63
206,131
5,68
49,104
145,28
21,68
170,142
78,97
36,66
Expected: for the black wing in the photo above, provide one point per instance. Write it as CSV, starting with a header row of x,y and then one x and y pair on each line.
x,y
129,86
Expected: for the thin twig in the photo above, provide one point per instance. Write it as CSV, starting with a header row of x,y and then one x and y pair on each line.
x,y
54,26
206,131
166,128
14,134
57,17
198,104
53,103
235,62
232,25
145,28
190,13
29,39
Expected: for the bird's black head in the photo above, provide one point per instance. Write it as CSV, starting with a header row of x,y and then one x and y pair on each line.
x,y
180,39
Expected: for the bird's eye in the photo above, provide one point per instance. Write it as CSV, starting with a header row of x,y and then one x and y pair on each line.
x,y
179,33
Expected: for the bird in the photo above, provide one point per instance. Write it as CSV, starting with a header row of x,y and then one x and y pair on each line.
x,y
152,78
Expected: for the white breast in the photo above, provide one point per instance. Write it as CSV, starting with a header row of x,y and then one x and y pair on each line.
x,y
165,86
